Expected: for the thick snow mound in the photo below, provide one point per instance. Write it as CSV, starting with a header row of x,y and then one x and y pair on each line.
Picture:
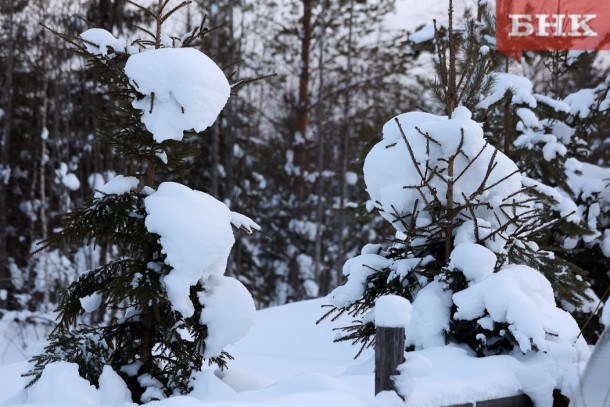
x,y
229,312
393,180
288,360
430,314
196,235
113,390
183,89
473,260
61,384
523,298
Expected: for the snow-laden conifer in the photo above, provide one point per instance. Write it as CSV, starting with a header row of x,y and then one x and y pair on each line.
x,y
464,252
166,295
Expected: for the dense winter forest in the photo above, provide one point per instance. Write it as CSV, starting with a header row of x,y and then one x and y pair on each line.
x,y
496,181
285,150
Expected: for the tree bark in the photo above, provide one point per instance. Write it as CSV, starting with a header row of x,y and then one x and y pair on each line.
x,y
344,148
300,147
302,119
7,105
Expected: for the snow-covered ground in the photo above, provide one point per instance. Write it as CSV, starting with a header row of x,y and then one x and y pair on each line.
x,y
286,360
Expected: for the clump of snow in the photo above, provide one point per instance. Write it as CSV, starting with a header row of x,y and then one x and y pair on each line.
x,y
183,89
521,297
351,178
371,248
426,33
196,235
392,311
415,365
154,388
473,260
430,314
241,380
504,82
98,41
206,386
393,180
357,270
61,384
112,389
68,179
581,102
557,105
91,302
528,117
243,222
229,312
117,186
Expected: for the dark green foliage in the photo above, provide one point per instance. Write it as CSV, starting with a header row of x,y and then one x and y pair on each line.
x,y
125,285
472,65
85,347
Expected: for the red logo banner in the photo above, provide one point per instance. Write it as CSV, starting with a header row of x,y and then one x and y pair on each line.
x,y
545,25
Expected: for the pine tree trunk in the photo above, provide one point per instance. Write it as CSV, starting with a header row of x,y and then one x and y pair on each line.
x,y
302,119
43,155
321,279
344,147
7,105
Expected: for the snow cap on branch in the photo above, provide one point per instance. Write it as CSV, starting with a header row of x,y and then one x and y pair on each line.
x,y
182,90
98,41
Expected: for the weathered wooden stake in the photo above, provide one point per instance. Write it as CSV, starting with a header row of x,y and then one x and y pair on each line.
x,y
389,353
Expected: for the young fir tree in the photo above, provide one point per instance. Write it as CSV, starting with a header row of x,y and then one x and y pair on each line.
x,y
463,252
545,134
535,131
166,292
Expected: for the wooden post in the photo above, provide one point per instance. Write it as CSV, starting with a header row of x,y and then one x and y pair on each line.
x,y
389,353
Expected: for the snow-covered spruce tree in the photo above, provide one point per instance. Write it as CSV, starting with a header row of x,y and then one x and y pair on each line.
x,y
545,134
167,292
534,130
464,224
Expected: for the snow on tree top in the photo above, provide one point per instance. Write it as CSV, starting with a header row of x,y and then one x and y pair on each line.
x,y
196,235
183,89
392,178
